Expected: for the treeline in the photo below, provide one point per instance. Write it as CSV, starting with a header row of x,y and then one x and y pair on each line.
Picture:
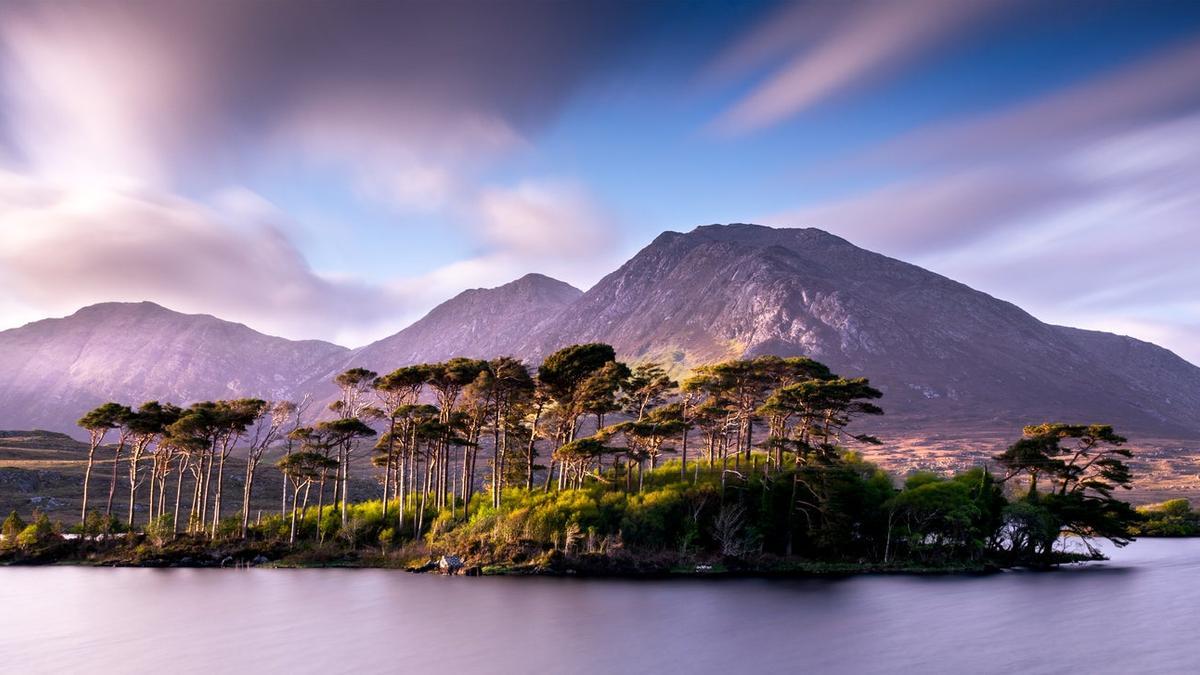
x,y
758,449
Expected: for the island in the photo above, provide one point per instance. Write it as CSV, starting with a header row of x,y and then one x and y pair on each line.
x,y
586,465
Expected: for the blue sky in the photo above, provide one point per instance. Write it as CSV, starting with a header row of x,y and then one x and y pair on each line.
x,y
318,172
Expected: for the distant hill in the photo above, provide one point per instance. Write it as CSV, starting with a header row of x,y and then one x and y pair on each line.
x,y
56,369
946,356
479,323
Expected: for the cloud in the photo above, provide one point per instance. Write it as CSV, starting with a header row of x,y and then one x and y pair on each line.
x,y
923,216
63,246
835,52
111,112
554,227
545,219
173,90
1160,87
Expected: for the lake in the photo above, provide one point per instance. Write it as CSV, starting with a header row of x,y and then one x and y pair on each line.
x,y
1136,613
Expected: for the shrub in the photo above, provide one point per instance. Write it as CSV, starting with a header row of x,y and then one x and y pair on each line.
x,y
12,527
37,533
161,529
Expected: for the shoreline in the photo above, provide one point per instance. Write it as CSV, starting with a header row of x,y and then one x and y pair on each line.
x,y
553,564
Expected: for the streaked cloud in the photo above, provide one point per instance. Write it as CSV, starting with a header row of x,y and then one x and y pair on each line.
x,y
831,53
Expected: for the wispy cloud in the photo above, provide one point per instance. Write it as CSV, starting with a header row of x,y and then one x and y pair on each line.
x,y
832,52
1158,87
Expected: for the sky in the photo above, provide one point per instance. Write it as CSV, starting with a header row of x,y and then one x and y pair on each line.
x,y
333,170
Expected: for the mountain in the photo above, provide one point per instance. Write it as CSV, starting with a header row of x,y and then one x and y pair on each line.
x,y
478,323
56,369
946,356
943,353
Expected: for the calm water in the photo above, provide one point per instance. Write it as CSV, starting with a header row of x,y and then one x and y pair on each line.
x,y
1137,613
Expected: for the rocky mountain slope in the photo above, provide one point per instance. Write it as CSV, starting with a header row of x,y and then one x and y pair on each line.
x,y
54,370
478,323
942,352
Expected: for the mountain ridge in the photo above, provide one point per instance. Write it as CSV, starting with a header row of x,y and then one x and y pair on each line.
x,y
942,352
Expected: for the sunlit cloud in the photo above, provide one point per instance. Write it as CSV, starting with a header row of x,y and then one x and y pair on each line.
x,y
63,246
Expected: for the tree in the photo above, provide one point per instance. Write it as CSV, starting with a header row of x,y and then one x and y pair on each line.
x,y
354,385
266,430
509,387
394,391
1083,465
146,425
301,469
296,421
448,380
645,438
563,376
209,430
648,386
11,529
342,434
98,422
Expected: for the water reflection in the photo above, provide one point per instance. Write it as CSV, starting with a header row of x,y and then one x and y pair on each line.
x,y
1135,613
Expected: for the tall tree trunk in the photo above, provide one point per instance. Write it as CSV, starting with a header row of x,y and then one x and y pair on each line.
x,y
424,495
531,448
683,450
87,478
283,494
204,494
217,500
195,516
132,497
153,482
112,485
295,496
337,482
346,482
178,494
247,489
321,505
497,456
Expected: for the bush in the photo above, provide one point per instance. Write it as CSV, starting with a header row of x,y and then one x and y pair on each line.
x,y
37,533
161,529
11,529
96,524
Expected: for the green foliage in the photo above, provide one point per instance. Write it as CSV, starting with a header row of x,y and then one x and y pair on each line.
x,y
161,529
1173,518
13,526
97,523
36,534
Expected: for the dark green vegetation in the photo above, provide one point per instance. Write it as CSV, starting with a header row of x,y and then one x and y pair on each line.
x,y
589,465
1172,518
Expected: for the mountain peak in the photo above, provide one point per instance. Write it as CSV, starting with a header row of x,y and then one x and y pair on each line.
x,y
480,322
143,307
540,283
